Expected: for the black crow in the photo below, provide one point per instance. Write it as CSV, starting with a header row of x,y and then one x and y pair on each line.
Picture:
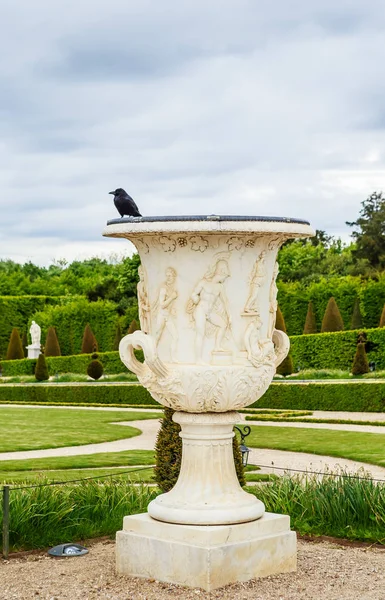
x,y
125,204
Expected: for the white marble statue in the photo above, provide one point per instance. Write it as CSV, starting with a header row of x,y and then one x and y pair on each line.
x,y
35,331
166,311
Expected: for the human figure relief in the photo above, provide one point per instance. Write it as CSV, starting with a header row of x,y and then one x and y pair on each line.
x,y
208,305
256,280
258,350
143,303
166,311
35,332
273,304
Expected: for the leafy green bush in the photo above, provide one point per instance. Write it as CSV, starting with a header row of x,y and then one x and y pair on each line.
x,y
310,322
41,370
95,368
332,319
359,397
336,350
91,393
356,322
67,364
51,347
15,349
360,362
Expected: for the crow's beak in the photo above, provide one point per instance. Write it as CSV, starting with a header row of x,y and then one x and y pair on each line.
x,y
113,193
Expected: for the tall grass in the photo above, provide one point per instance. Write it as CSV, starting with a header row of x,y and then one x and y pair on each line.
x,y
342,506
45,516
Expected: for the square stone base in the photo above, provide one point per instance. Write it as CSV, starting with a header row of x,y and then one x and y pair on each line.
x,y
205,556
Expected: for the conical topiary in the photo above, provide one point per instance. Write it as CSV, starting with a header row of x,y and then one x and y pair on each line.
x,y
168,452
41,369
286,367
15,348
168,449
117,338
360,362
95,368
89,342
52,347
24,343
356,322
310,322
382,320
133,326
332,320
280,321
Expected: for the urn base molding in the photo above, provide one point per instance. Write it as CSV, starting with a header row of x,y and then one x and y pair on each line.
x,y
207,491
206,557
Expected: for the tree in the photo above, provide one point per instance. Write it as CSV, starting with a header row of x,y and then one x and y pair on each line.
x,y
360,362
117,338
332,320
310,322
133,326
382,319
168,450
370,234
89,343
15,349
41,369
95,367
356,322
52,347
280,321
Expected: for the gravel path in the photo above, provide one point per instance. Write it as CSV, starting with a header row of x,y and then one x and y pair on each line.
x,y
325,571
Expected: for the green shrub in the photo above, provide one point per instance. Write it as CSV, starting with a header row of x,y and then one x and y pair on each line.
x,y
17,311
133,326
89,343
67,364
360,362
91,393
332,320
286,366
41,370
280,321
15,349
117,338
168,452
382,319
52,347
95,368
356,322
358,397
310,322
24,343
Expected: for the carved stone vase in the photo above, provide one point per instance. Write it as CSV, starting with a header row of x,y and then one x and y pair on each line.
x,y
207,303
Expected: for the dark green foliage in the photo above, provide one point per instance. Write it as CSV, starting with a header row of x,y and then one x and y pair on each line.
x,y
355,397
52,347
93,393
336,350
89,343
238,461
117,338
168,450
41,370
95,368
369,237
286,366
17,311
133,326
280,321
356,322
67,364
310,322
24,342
70,320
382,319
15,349
360,362
332,320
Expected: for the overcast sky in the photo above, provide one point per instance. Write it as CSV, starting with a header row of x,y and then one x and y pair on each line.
x,y
247,107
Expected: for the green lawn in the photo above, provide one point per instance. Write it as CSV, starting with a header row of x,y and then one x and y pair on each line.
x,y
37,428
144,475
363,447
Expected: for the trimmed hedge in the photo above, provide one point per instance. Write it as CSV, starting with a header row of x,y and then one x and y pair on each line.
x,y
17,311
93,393
336,350
77,363
360,397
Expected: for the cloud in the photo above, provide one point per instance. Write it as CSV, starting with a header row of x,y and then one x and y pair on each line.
x,y
228,107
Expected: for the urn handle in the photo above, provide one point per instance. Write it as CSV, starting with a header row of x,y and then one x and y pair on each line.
x,y
281,345
141,341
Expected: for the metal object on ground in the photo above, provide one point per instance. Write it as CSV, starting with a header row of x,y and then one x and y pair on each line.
x,y
67,550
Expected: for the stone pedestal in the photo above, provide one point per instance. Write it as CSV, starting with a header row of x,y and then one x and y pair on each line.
x,y
207,491
207,557
33,350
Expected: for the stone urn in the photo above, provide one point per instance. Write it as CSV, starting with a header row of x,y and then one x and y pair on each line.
x,y
207,299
